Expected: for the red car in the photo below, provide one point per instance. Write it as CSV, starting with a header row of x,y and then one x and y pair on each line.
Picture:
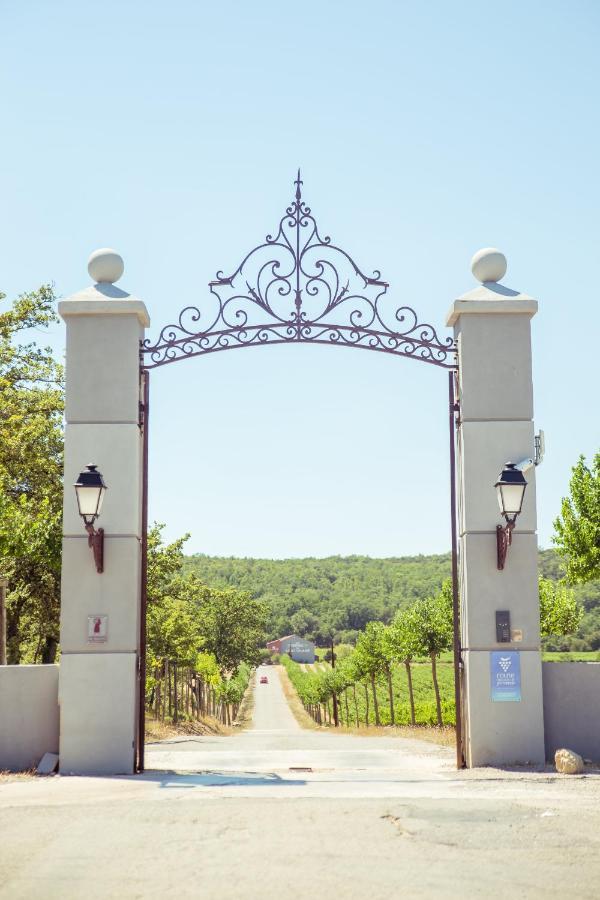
x,y
264,679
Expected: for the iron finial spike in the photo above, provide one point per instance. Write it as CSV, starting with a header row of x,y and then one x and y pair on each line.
x,y
298,182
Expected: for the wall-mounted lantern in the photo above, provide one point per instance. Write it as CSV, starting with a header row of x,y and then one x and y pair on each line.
x,y
90,490
510,489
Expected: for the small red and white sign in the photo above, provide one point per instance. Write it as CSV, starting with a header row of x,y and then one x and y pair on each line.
x,y
97,629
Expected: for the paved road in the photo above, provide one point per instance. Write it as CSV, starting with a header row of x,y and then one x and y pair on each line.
x,y
277,746
229,819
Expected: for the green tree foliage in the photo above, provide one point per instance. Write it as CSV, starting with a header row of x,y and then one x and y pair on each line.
x,y
560,613
31,406
578,526
320,597
431,619
403,643
341,592
373,660
233,624
316,687
193,623
173,629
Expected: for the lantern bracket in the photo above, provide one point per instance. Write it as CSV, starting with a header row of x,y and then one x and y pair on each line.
x,y
503,541
96,542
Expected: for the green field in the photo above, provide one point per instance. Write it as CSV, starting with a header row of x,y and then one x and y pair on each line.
x,y
425,711
568,656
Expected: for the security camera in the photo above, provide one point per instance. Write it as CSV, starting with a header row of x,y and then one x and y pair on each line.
x,y
525,465
540,447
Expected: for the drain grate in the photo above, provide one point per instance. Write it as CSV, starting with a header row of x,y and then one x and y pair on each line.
x,y
300,769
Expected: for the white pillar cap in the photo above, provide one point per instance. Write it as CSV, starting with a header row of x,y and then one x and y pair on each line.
x,y
105,266
102,298
489,266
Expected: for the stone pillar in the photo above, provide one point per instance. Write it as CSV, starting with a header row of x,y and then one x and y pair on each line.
x,y
492,326
98,680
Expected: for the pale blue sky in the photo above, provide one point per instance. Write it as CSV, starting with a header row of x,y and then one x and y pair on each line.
x,y
424,131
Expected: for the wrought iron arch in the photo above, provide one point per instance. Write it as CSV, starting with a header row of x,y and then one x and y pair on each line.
x,y
298,287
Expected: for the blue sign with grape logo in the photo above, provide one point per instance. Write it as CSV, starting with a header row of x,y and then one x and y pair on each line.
x,y
505,671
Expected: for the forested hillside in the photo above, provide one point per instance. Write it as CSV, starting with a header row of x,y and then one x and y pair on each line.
x,y
314,596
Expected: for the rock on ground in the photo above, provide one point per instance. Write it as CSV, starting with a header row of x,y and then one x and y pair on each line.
x,y
568,762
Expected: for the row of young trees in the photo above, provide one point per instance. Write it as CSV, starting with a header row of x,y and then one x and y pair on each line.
x,y
176,692
201,642
422,631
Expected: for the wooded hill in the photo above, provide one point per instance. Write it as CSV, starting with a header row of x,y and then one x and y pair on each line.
x,y
313,596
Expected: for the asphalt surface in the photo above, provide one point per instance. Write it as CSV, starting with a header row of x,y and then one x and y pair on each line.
x,y
278,810
275,750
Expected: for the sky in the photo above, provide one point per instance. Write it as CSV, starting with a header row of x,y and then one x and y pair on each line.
x,y
173,133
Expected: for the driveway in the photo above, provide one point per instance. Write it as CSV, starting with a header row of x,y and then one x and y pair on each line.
x,y
331,764
243,817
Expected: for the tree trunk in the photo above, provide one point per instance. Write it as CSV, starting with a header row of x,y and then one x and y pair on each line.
x,y
13,632
168,687
375,701
411,695
49,649
346,705
391,695
158,693
366,703
175,697
336,718
356,706
438,704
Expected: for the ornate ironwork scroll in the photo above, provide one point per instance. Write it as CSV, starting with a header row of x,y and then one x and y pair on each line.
x,y
299,287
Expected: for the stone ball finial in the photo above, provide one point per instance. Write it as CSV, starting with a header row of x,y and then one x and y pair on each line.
x,y
105,266
488,264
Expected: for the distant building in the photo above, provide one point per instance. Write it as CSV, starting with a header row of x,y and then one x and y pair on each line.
x,y
296,647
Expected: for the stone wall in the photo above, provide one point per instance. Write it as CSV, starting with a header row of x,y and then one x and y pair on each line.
x,y
28,715
572,708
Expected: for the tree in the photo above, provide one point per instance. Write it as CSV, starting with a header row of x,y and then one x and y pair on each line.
x,y
432,621
373,660
233,624
173,632
304,623
31,407
577,529
560,613
403,641
186,616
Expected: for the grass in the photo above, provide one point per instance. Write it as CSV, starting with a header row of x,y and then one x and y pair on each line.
x,y
291,695
157,730
26,775
445,736
571,656
244,716
425,709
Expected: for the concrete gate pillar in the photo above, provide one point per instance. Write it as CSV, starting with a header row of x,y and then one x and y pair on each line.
x,y
492,326
98,680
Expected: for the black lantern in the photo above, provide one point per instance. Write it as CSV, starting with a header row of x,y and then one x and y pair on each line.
x,y
90,490
510,489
